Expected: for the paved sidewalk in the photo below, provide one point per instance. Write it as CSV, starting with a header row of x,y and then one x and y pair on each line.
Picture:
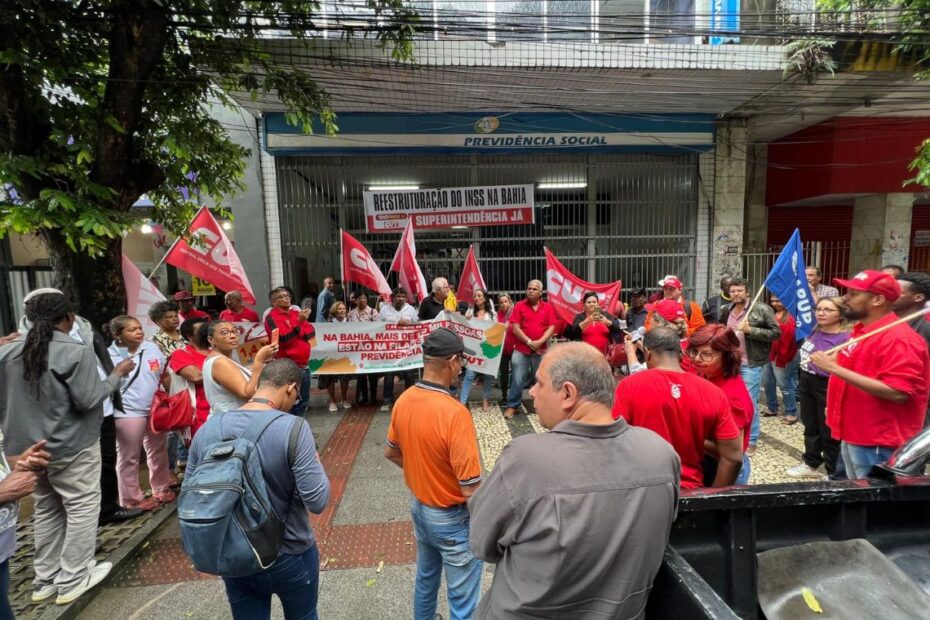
x,y
367,548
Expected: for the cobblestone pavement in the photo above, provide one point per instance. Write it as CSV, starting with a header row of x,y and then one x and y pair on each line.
x,y
367,548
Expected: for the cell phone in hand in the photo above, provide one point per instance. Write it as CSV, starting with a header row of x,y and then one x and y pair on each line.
x,y
275,336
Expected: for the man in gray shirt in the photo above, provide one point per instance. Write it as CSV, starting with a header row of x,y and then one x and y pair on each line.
x,y
577,519
294,488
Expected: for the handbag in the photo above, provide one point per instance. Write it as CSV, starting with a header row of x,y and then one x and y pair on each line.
x,y
615,354
175,409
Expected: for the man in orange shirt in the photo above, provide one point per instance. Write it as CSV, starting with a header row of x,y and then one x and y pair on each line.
x,y
432,438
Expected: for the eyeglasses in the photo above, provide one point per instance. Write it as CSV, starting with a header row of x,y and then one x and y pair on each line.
x,y
228,332
458,356
704,356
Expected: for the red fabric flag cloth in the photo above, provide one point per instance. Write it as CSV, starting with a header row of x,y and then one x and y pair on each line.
x,y
405,264
140,295
471,279
358,266
565,290
211,257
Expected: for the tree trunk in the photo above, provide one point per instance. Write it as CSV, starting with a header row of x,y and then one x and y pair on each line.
x,y
94,285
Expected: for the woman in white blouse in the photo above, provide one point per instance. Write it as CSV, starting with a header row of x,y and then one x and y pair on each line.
x,y
137,390
227,384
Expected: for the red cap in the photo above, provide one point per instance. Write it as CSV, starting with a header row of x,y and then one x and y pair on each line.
x,y
183,295
668,309
874,282
671,281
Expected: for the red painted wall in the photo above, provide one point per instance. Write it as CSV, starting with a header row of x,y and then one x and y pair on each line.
x,y
844,155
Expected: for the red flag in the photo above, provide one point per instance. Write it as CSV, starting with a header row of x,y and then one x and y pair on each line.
x,y
564,290
140,295
471,279
405,264
210,256
359,267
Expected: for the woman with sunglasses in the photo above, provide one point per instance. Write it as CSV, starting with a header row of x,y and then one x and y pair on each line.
x,y
714,349
228,384
820,448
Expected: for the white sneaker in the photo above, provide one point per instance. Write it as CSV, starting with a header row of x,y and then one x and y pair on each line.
x,y
801,470
333,407
43,593
385,407
94,576
346,404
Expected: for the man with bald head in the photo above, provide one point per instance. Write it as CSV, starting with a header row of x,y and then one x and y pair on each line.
x,y
576,519
533,322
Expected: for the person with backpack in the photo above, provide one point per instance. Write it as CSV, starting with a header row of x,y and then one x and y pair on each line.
x,y
252,475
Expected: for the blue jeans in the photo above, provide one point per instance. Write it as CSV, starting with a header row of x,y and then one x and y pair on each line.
x,y
860,459
522,367
787,380
469,379
752,377
303,394
442,542
743,477
294,578
6,612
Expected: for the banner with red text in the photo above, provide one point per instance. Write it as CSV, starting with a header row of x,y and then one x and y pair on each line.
x,y
471,279
565,291
388,210
210,256
352,348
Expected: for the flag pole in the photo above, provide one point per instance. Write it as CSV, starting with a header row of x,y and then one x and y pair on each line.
x,y
342,261
755,300
905,319
164,257
168,253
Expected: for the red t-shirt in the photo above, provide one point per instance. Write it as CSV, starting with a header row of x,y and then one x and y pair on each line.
x,y
683,409
293,334
740,404
533,322
189,356
785,349
246,315
898,358
194,314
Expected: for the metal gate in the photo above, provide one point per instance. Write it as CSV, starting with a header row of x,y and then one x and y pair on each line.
x,y
631,217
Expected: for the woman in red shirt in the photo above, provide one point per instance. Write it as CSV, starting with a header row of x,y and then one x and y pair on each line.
x,y
783,366
188,363
714,349
593,326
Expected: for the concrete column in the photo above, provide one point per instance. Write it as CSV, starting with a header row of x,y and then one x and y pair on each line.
x,y
881,231
729,199
757,220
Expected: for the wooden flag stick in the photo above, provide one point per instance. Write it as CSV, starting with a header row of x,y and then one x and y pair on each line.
x,y
755,300
904,319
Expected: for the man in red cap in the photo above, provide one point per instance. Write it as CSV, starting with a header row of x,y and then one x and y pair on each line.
x,y
669,313
877,395
671,289
186,309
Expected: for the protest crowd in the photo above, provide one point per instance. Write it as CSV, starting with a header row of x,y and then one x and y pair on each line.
x,y
659,396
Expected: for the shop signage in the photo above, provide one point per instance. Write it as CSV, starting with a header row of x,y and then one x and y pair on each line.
x,y
498,205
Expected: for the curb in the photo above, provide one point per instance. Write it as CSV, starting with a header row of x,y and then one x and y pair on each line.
x,y
123,553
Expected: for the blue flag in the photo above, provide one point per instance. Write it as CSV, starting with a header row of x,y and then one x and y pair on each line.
x,y
788,282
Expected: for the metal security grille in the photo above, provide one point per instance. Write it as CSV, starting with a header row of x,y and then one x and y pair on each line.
x,y
621,216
